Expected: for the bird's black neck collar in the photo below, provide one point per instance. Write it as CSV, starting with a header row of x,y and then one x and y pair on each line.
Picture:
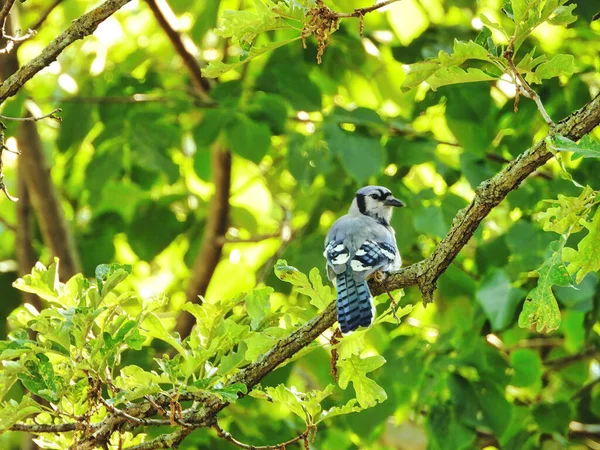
x,y
362,208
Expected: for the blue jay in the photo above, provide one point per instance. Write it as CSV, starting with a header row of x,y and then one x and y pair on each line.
x,y
357,246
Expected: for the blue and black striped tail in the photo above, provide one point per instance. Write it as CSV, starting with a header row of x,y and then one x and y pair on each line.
x,y
354,303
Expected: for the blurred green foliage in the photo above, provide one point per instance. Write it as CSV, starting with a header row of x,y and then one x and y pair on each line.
x,y
418,102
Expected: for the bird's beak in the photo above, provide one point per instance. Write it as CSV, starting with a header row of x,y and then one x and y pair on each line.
x,y
393,201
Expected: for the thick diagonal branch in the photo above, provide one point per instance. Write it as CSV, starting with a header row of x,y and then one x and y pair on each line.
x,y
79,28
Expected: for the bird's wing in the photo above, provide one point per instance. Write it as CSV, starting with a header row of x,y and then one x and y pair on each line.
x,y
363,244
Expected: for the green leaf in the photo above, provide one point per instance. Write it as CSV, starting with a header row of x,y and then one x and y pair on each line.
x,y
136,382
151,136
553,417
567,212
498,299
109,276
490,24
12,412
129,195
557,66
208,317
312,286
244,26
290,398
528,367
42,282
248,138
563,15
418,72
587,147
540,308
40,378
212,123
153,327
528,62
258,305
216,69
258,343
587,257
361,156
354,369
445,431
334,411
463,51
230,392
455,75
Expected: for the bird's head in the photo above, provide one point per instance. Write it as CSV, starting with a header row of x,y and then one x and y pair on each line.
x,y
376,202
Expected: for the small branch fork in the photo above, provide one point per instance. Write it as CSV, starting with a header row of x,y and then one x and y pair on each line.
x,y
524,89
50,115
12,41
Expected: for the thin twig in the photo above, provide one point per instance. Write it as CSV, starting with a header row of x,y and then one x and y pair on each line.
x,y
50,115
360,12
559,363
130,418
8,225
229,438
14,41
585,388
200,83
525,89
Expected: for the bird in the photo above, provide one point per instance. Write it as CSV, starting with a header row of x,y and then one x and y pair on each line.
x,y
359,245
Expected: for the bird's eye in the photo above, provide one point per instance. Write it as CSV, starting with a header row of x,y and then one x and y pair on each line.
x,y
374,196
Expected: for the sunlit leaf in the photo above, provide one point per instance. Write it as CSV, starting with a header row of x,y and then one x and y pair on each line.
x,y
153,327
587,257
216,69
354,369
540,308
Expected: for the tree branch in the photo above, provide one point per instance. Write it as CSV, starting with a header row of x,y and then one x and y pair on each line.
x,y
79,28
50,115
301,437
524,88
359,12
210,251
200,84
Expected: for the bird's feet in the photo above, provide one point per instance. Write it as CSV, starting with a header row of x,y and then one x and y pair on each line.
x,y
379,276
